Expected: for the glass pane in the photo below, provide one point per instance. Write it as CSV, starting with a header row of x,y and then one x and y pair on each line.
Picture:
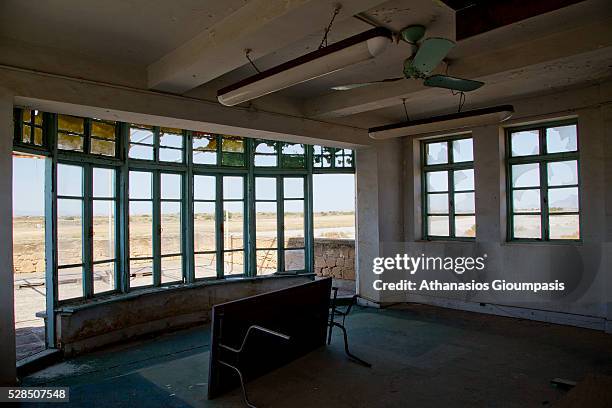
x,y
38,136
437,153
562,173
526,201
233,263
204,187
69,231
141,229
141,135
437,226
141,272
564,226
267,261
294,224
104,277
233,187
69,180
69,142
527,226
170,228
70,283
293,187
525,143
265,161
233,144
27,133
172,269
526,175
465,226
204,141
71,124
322,161
265,146
171,186
103,130
205,266
463,150
141,152
171,155
464,203
27,115
265,188
103,147
103,182
140,184
200,157
103,230
292,148
437,181
266,225
437,203
233,225
463,180
171,140
232,159
563,199
295,260
204,227
561,139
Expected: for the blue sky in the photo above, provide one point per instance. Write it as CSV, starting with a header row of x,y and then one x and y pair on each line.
x,y
332,192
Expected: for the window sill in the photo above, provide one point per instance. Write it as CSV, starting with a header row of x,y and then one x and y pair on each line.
x,y
81,305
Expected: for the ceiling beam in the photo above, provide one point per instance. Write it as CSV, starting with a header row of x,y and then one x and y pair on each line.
x,y
547,49
54,93
262,26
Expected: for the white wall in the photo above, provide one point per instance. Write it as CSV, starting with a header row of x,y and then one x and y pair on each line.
x,y
7,315
585,267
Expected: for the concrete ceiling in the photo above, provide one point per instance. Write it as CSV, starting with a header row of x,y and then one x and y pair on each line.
x,y
195,47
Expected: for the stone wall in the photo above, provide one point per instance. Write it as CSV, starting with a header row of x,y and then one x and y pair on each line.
x,y
335,258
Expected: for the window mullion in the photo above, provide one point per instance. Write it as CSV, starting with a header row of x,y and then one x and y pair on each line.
x,y
280,221
156,229
87,232
219,224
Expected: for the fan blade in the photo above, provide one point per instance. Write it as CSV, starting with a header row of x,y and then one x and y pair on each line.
x,y
456,84
348,87
431,52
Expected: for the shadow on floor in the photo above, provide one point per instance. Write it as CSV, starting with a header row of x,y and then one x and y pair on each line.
x,y
422,356
29,341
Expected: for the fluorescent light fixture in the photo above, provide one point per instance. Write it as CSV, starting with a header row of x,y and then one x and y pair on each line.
x,y
321,62
467,119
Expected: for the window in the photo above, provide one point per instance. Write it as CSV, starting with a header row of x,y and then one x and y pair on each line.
x,y
205,226
30,121
248,199
233,225
448,188
165,145
333,158
543,180
86,230
93,136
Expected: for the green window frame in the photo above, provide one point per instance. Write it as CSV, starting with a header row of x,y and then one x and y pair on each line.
x,y
275,154
543,183
94,145
30,128
448,191
86,196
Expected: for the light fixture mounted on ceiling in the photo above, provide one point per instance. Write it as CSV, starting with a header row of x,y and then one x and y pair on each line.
x,y
453,121
318,63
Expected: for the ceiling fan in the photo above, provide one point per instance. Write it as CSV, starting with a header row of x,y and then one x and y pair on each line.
x,y
430,53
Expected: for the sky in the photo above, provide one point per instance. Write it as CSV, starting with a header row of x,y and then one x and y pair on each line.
x,y
332,192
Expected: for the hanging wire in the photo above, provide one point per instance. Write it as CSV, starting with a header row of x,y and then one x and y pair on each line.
x,y
405,110
247,53
327,30
461,99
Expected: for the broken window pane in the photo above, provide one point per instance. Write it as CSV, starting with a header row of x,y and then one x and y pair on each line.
x,y
561,139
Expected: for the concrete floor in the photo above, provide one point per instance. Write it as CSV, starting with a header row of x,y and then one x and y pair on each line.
x,y
422,357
